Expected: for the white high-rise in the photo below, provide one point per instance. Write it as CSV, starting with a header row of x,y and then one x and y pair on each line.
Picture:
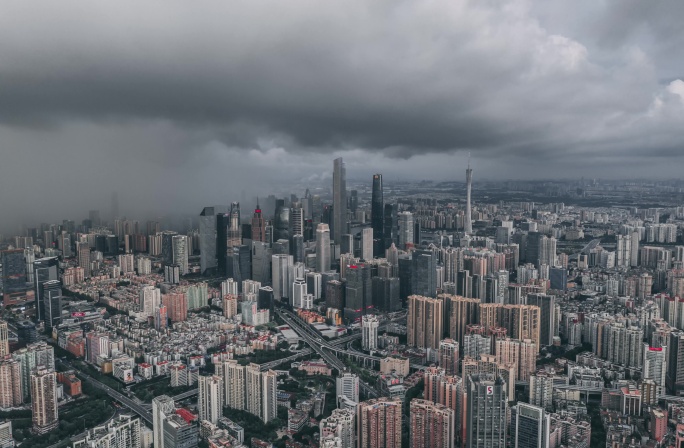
x,y
210,403
298,293
323,247
234,382
347,385
369,327
150,299
341,424
162,407
367,244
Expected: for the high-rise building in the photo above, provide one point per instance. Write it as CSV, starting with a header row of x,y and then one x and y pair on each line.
x,y
179,433
176,304
207,236
210,402
4,339
431,425
339,200
179,245
424,273
239,264
386,294
655,366
486,411
150,299
11,387
367,244
369,327
258,225
548,327
12,270
222,223
234,228
167,246
448,356
347,385
378,423
30,357
162,408
44,270
322,247
281,221
339,425
280,269
522,353
51,302
425,322
44,400
122,431
378,213
391,226
460,312
84,258
405,222
234,382
531,426
468,224
358,291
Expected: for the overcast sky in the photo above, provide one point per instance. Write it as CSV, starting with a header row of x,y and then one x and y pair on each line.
x,y
175,104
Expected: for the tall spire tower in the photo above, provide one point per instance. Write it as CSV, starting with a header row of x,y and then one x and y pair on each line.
x,y
469,182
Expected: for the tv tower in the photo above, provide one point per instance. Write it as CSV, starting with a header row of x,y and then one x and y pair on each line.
x,y
469,182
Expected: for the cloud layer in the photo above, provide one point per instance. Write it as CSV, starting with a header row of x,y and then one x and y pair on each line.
x,y
511,81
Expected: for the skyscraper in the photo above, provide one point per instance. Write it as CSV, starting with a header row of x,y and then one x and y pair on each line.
x,y
44,270
207,236
341,426
122,431
468,225
530,426
12,270
210,402
4,339
424,273
11,385
378,213
405,222
367,244
461,312
359,290
347,385
280,269
339,200
448,356
234,228
486,411
424,323
222,223
391,226
51,302
379,423
369,327
162,408
432,425
179,244
258,225
322,247
44,400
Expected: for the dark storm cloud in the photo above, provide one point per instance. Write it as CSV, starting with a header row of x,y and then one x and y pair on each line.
x,y
179,104
403,77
